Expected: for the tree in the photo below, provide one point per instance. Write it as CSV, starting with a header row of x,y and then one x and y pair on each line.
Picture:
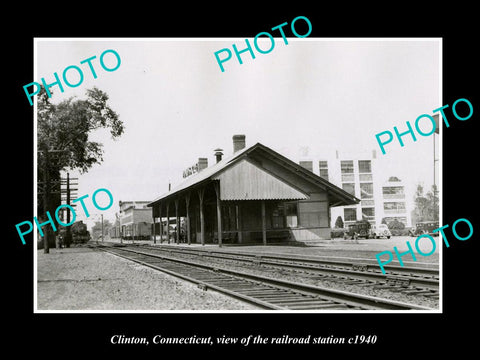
x,y
339,223
396,225
63,142
433,203
66,127
97,228
426,206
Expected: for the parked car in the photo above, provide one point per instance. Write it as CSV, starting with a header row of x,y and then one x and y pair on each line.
x,y
360,228
425,227
380,231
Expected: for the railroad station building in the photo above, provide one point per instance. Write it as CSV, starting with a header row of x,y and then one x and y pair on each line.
x,y
255,195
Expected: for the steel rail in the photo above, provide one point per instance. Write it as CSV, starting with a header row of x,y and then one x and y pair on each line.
x,y
265,292
356,270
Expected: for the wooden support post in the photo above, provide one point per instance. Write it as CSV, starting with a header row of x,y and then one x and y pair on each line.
x,y
264,224
201,193
177,223
187,219
160,218
168,225
153,231
219,213
239,223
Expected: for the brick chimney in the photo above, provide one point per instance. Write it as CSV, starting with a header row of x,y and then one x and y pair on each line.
x,y
202,164
218,154
238,142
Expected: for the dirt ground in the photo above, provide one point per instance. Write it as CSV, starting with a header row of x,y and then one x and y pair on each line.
x,y
79,278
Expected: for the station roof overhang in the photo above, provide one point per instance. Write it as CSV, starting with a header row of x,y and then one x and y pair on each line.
x,y
242,177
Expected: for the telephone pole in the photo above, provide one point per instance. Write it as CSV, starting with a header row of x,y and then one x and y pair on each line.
x,y
70,194
46,189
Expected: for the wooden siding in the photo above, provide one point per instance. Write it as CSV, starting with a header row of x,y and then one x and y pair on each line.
x,y
246,181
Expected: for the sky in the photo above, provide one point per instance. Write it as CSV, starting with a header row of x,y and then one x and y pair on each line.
x,y
304,100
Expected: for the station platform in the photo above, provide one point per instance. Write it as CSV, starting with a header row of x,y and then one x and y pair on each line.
x,y
363,250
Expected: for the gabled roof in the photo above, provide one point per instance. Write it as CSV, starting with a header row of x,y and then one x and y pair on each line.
x,y
214,173
244,180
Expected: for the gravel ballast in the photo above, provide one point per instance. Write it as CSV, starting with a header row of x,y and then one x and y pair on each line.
x,y
80,278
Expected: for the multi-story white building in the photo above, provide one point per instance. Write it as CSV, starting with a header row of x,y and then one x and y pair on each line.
x,y
381,195
394,204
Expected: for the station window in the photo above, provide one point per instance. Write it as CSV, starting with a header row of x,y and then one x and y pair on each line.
x,y
278,218
313,214
284,215
291,218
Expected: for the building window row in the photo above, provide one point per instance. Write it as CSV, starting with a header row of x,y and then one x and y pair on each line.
x,y
368,213
350,214
394,207
369,202
346,166
349,188
366,190
393,192
323,166
365,177
364,166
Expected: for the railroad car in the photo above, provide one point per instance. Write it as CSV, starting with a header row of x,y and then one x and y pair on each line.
x,y
137,231
114,232
80,234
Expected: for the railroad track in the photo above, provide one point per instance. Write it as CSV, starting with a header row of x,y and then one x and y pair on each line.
x,y
413,281
264,292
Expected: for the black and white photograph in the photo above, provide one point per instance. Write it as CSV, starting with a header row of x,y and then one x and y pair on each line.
x,y
253,188
217,182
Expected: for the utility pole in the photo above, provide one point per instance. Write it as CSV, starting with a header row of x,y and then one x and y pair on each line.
x,y
434,188
69,193
102,227
47,188
68,233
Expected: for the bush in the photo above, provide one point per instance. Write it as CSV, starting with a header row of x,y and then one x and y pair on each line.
x,y
396,225
399,232
337,233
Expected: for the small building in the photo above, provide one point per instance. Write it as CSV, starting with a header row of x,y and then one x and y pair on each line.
x,y
135,220
256,195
